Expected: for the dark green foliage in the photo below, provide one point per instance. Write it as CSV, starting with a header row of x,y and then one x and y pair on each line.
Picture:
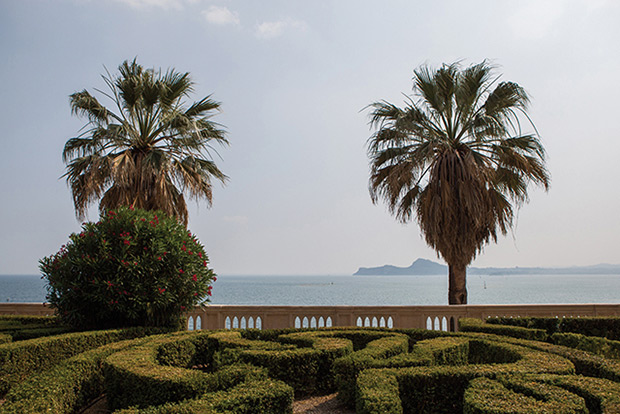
x,y
440,388
20,359
18,327
601,396
308,367
390,350
519,396
136,377
607,327
551,325
476,325
375,370
251,397
597,345
377,393
132,268
65,387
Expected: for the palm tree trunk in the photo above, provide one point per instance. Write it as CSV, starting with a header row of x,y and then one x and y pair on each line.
x,y
457,289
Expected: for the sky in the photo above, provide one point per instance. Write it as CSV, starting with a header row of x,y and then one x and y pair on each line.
x,y
294,79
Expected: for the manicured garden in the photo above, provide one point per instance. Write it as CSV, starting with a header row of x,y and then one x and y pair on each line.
x,y
522,365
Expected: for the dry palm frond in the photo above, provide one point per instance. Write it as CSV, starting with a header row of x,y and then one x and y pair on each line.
x,y
151,151
455,158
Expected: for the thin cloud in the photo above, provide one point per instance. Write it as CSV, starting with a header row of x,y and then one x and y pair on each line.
x,y
535,20
270,30
220,15
239,220
162,4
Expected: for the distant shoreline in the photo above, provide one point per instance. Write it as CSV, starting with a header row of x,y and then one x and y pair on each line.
x,y
422,267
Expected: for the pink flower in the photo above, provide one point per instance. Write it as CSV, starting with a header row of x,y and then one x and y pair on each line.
x,y
181,271
162,290
214,278
194,278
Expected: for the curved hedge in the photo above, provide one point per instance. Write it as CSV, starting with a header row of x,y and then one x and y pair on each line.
x,y
519,396
155,373
18,360
65,387
373,370
439,388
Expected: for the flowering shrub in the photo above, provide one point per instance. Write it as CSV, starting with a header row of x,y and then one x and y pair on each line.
x,y
133,267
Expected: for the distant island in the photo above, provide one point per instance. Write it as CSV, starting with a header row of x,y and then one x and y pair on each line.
x,y
428,267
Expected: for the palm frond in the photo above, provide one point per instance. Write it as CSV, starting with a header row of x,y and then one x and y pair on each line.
x,y
156,148
454,157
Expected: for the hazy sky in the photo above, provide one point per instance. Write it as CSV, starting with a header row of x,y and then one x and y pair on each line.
x,y
294,78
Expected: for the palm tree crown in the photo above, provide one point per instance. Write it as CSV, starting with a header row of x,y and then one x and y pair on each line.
x,y
150,151
455,158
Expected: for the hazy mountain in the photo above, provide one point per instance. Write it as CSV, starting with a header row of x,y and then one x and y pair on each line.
x,y
428,267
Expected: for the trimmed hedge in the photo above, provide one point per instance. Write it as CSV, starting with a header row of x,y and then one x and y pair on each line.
x,y
440,389
21,320
64,388
251,397
375,355
600,346
608,327
519,396
20,359
306,367
5,338
551,325
375,370
476,325
136,377
605,327
585,362
601,395
19,327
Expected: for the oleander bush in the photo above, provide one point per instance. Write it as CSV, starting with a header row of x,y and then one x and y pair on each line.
x,y
497,371
131,268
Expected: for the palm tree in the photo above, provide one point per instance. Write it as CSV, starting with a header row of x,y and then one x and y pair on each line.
x,y
150,151
455,158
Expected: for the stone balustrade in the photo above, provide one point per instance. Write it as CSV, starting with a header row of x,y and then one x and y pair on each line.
x,y
441,317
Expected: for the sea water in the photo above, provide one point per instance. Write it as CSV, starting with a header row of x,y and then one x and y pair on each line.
x,y
375,290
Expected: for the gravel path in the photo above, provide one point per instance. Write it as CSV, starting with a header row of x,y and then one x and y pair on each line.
x,y
324,404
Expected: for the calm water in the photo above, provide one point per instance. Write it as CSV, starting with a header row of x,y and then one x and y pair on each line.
x,y
376,290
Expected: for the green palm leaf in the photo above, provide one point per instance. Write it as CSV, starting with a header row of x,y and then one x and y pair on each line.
x,y
455,158
151,151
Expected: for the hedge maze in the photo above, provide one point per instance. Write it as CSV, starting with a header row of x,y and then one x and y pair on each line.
x,y
499,366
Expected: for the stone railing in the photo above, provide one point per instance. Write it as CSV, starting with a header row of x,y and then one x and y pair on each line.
x,y
423,317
